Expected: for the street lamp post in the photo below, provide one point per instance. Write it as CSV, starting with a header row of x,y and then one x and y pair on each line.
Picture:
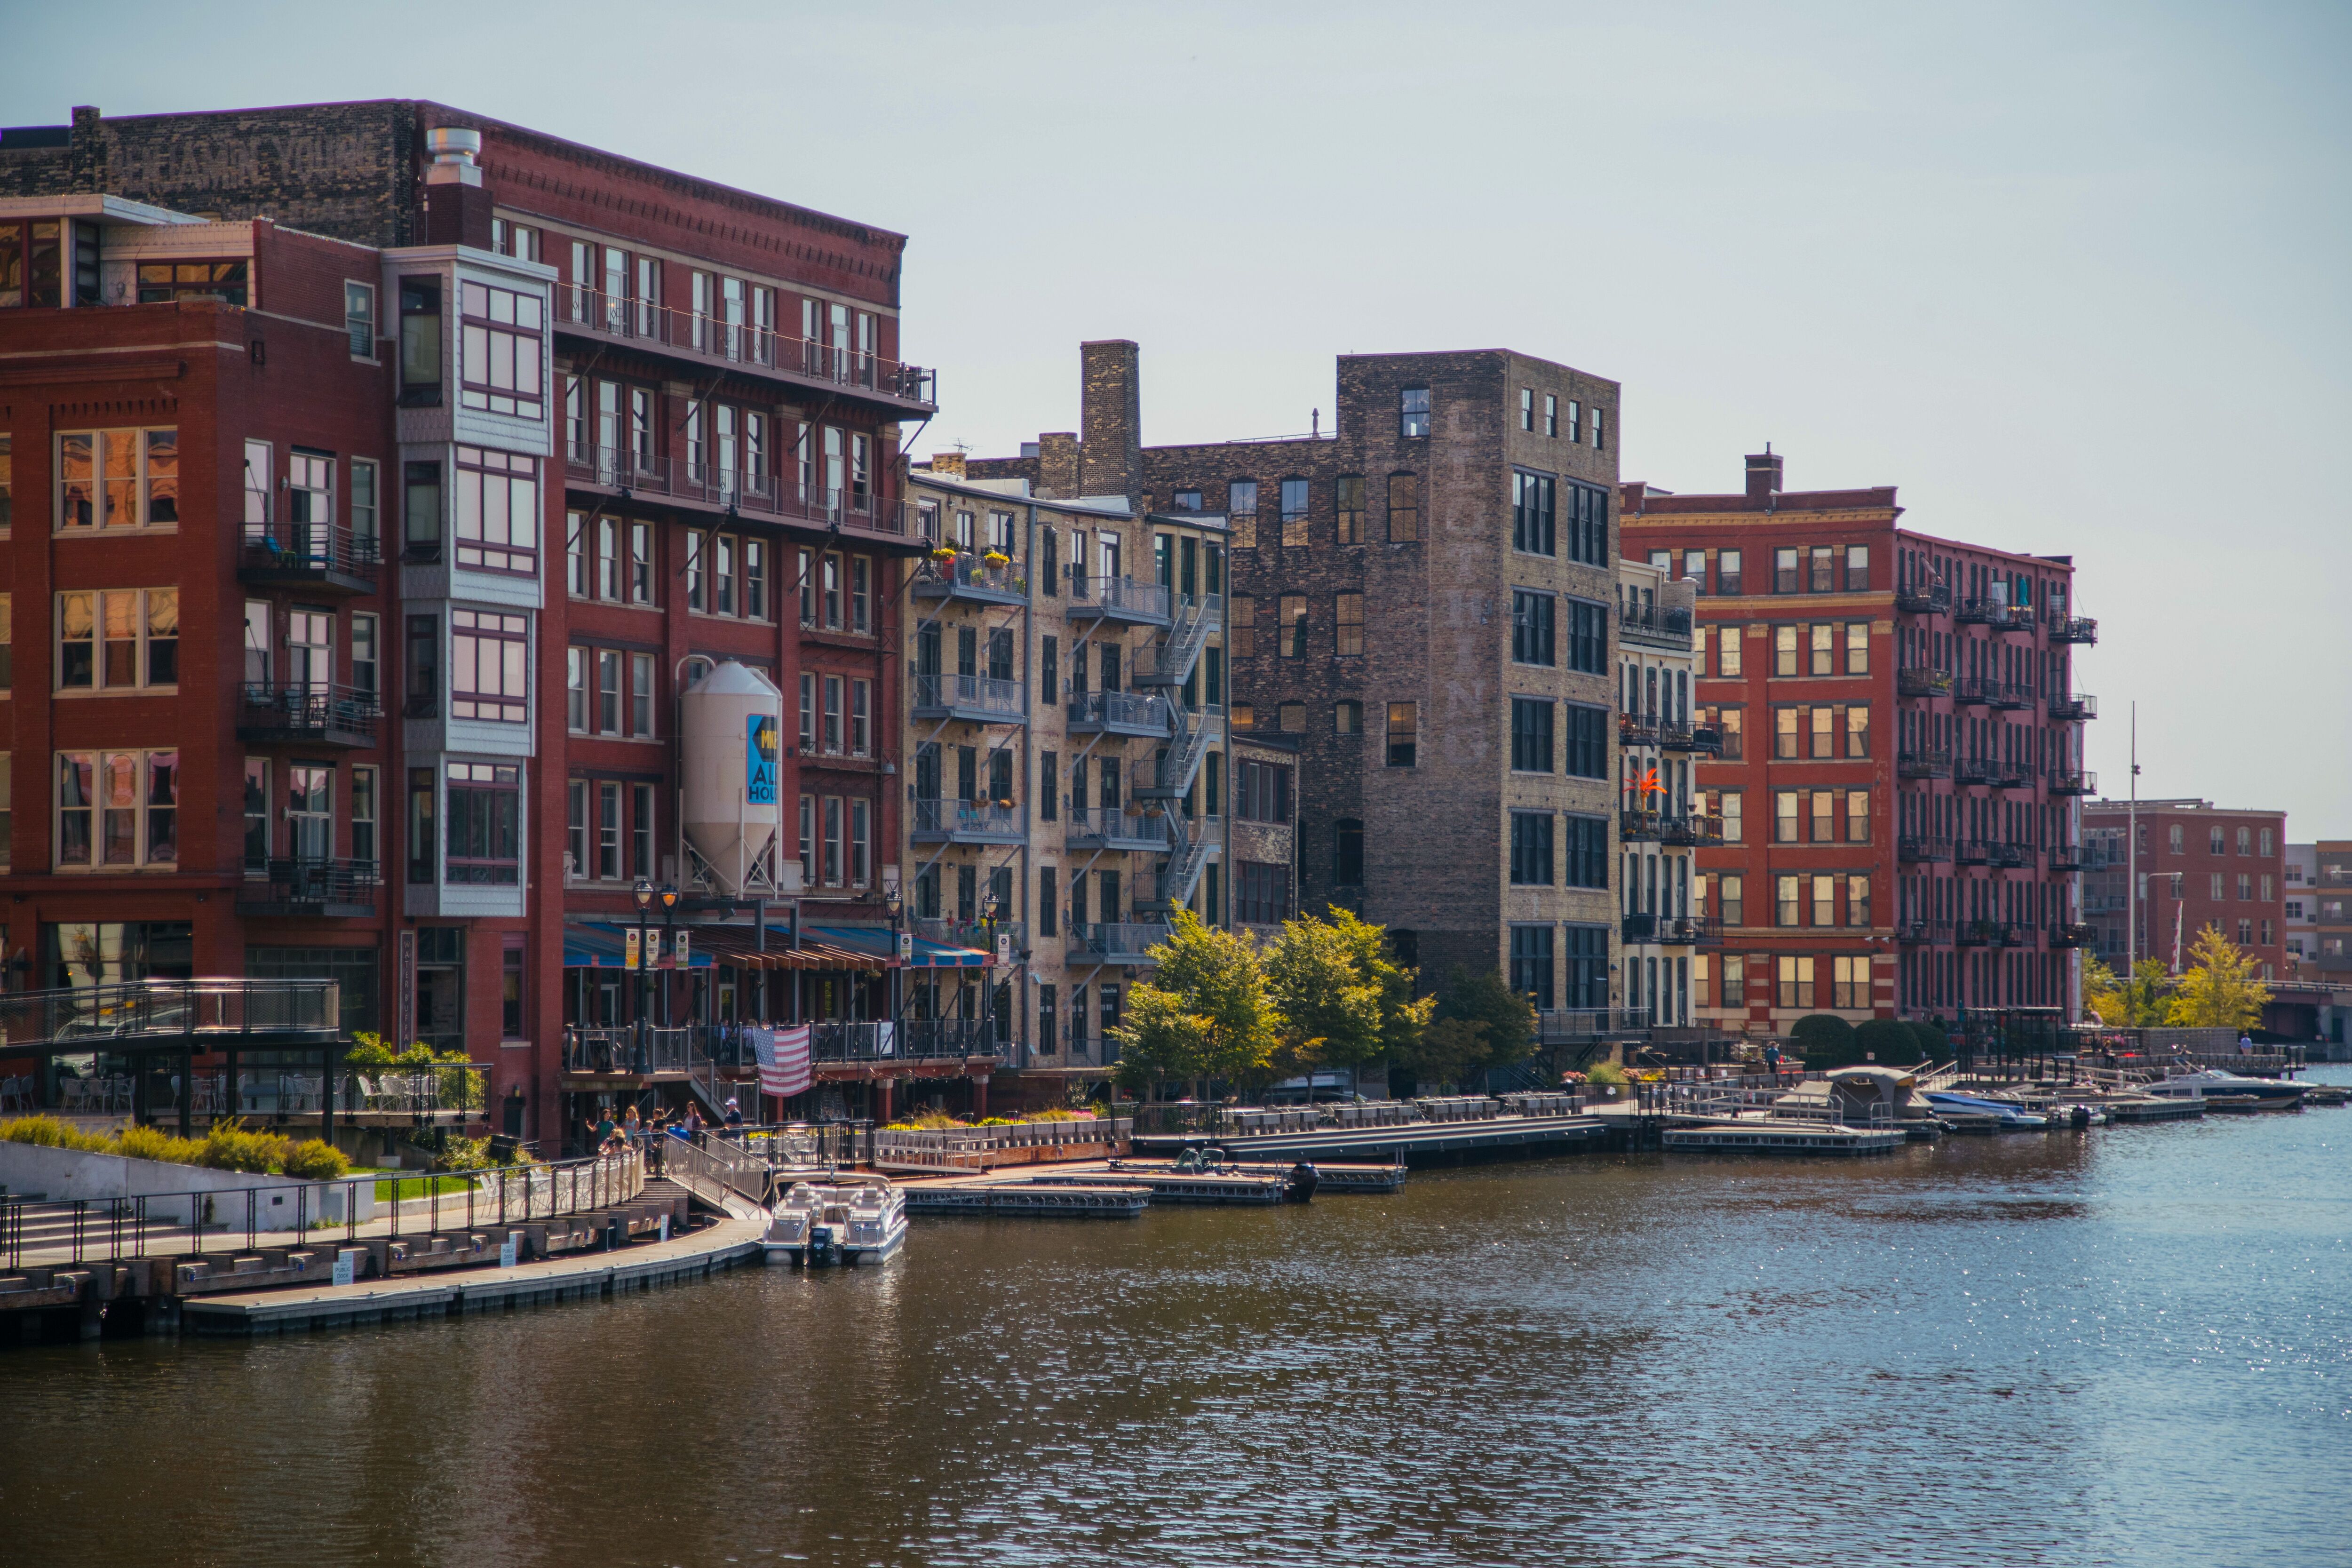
x,y
644,894
669,896
990,906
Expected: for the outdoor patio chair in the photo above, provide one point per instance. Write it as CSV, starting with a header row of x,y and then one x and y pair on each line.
x,y
12,1094
73,1094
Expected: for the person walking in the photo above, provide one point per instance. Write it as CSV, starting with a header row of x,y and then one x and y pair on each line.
x,y
734,1116
1772,1060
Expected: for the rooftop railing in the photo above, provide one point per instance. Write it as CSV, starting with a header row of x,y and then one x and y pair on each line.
x,y
716,339
209,1015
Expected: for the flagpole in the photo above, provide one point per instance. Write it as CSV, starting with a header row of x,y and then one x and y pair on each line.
x,y
2131,850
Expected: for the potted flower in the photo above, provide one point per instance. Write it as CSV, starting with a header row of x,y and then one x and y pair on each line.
x,y
997,560
944,553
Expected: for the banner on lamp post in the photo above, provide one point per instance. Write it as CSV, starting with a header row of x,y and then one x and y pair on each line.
x,y
680,955
629,954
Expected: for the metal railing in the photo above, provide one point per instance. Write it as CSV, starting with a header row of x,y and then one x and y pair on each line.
x,y
1923,765
947,1039
1922,598
637,1047
1126,710
2065,629
1114,827
308,550
189,1224
1919,848
1919,680
982,817
1121,594
972,573
1111,939
757,495
1692,828
2071,707
1635,825
312,710
1917,934
1560,1023
971,693
1654,622
2073,781
206,1014
298,885
737,343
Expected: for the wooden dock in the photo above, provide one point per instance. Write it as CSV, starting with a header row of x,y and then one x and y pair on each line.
x,y
1411,1144
2154,1108
1809,1139
1076,1199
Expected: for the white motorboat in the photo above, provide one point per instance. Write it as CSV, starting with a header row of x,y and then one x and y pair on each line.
x,y
846,1219
2011,1116
2273,1094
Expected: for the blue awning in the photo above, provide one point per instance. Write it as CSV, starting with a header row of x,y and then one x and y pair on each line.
x,y
928,954
590,946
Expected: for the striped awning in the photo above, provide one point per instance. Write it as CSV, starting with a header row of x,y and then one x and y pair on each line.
x,y
587,946
927,954
739,947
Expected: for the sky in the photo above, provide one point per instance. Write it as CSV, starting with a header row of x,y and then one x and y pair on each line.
x,y
2073,277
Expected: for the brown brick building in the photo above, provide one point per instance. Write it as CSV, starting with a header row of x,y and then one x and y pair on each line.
x,y
389,472
1901,757
2197,865
1423,598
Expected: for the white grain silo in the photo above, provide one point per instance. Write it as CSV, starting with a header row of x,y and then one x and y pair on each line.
x,y
731,724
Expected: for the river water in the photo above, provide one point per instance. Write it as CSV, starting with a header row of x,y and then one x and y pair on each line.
x,y
2132,1345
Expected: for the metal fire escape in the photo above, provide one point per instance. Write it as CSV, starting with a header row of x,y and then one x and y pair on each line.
x,y
1192,729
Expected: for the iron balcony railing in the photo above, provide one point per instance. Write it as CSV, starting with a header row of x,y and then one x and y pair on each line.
x,y
1922,933
2073,934
2072,707
1656,623
309,552
1924,599
1920,849
1972,852
323,886
1707,738
1132,711
717,341
1973,689
1637,729
1918,681
1990,934
2073,781
2066,629
747,495
1694,829
212,1014
1638,927
973,575
1556,1026
1121,596
1998,853
1130,940
967,818
2009,694
2066,857
1923,765
1689,930
309,711
960,695
1114,827
1639,825
1975,771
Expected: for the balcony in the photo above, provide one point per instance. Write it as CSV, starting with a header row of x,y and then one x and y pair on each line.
x,y
759,496
2066,857
1638,927
2014,775
1639,826
1570,1026
1918,681
1981,771
973,698
967,822
313,714
1114,828
2009,695
1655,625
1704,739
1975,610
1924,599
970,578
1998,853
2073,780
1923,765
1923,933
1119,713
1107,944
975,934
308,555
328,890
1972,852
2079,629
2073,708
1693,831
1120,600
1637,729
1973,690
833,370
2073,934
1914,849
1690,930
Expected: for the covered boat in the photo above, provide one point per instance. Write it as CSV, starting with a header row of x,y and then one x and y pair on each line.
x,y
846,1219
2273,1094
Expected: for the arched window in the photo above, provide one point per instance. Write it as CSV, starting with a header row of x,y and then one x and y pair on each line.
x,y
1347,852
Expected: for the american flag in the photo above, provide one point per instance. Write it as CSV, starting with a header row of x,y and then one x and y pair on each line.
x,y
783,1056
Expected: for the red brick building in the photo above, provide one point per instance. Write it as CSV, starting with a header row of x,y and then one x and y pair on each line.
x,y
2197,865
388,472
1902,755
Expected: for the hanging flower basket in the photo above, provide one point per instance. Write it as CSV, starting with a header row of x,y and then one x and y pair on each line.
x,y
997,558
944,554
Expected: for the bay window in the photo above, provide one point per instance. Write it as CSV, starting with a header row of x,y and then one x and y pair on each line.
x,y
499,366
484,812
497,511
489,655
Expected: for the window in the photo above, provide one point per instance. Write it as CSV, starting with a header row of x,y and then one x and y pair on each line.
x,y
1351,508
1240,626
1347,717
1784,571
1531,749
2246,887
1294,513
1850,984
1347,852
1784,650
1262,792
2174,840
488,656
1789,892
117,809
1823,658
1588,525
1823,726
7,473
1731,901
1551,414
363,839
1531,849
1533,498
1796,981
1527,408
358,319
119,479
1857,817
1588,637
497,511
1857,568
1822,577
421,511
1348,624
1244,716
1241,512
1587,748
1403,732
1405,508
1413,412
1531,965
1584,851
1857,730
1784,816
1587,966
1824,804
1600,430
1726,572
420,341
1857,901
1291,627
1531,627
120,639
1260,893
1727,652
2266,833
499,357
484,815
1857,647
2216,841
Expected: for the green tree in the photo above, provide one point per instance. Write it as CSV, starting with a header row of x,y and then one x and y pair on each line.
x,y
1206,1013
2222,990
2140,1003
1824,1040
1889,1039
1343,1001
1479,1022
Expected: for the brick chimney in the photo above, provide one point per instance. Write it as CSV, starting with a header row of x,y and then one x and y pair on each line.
x,y
1763,474
456,207
1110,418
1057,465
948,463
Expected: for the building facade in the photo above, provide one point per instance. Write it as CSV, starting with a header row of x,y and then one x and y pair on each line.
x,y
2301,928
2197,865
1901,755
1659,826
460,453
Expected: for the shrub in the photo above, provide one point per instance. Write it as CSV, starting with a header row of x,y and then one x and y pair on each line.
x,y
1891,1041
1824,1040
314,1160
1063,1115
1604,1073
49,1133
154,1143
229,1147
